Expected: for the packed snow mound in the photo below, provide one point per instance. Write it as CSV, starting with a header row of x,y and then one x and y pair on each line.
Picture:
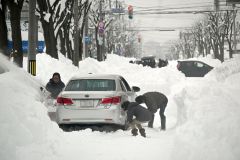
x,y
25,125
228,68
162,80
208,116
4,65
52,65
202,114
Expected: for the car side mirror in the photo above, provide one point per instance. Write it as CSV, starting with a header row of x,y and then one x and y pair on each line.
x,y
135,89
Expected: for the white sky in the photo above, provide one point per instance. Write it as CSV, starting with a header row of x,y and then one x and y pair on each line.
x,y
202,114
172,21
176,22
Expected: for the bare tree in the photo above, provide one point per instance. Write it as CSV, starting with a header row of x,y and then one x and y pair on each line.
x,y
57,21
46,11
3,28
187,44
84,8
229,17
64,34
95,17
199,37
15,7
217,30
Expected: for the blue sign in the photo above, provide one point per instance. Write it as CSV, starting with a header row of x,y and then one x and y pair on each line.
x,y
40,47
87,39
118,10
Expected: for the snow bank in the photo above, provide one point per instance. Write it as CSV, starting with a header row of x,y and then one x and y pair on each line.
x,y
228,68
208,117
26,131
202,114
47,65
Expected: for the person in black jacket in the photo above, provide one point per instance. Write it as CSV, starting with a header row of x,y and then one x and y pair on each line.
x,y
136,115
154,101
55,85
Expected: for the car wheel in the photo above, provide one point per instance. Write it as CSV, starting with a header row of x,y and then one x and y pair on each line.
x,y
64,127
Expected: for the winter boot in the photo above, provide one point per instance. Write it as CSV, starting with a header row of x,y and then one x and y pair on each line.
x,y
134,132
142,132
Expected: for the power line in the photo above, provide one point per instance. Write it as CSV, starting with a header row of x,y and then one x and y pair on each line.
x,y
179,6
162,9
174,8
187,3
182,12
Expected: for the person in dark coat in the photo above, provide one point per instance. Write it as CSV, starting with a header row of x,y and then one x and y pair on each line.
x,y
136,115
154,101
55,85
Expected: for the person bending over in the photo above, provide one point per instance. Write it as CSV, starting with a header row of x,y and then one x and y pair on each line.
x,y
136,115
154,101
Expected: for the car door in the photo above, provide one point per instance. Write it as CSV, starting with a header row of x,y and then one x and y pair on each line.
x,y
187,68
200,69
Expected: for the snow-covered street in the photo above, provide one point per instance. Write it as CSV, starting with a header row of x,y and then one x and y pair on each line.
x,y
202,114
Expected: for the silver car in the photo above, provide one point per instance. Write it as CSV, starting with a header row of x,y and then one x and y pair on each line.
x,y
94,99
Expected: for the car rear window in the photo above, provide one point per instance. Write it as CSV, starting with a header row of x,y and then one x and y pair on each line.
x,y
91,85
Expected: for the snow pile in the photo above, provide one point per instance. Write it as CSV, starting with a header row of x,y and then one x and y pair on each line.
x,y
208,117
25,126
228,68
46,66
202,114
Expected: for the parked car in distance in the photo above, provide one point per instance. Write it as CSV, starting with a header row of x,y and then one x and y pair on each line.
x,y
162,63
193,68
149,61
137,61
94,99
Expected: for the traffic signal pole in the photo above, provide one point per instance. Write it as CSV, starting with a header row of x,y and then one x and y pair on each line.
x,y
32,38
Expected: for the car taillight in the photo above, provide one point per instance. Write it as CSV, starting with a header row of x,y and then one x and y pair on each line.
x,y
111,100
178,66
64,101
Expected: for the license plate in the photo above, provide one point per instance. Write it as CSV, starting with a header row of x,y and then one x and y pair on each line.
x,y
86,103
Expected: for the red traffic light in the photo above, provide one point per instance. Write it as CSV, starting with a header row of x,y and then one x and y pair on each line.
x,y
130,11
130,8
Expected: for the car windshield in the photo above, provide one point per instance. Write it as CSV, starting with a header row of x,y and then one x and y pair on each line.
x,y
91,85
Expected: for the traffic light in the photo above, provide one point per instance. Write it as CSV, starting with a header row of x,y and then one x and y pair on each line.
x,y
130,12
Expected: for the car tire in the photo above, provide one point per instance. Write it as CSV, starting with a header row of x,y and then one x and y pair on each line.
x,y
64,127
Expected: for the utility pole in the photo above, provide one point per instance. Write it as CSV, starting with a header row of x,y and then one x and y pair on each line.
x,y
76,34
32,38
216,5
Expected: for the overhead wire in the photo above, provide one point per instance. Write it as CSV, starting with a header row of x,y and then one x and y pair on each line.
x,y
179,9
187,5
164,5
